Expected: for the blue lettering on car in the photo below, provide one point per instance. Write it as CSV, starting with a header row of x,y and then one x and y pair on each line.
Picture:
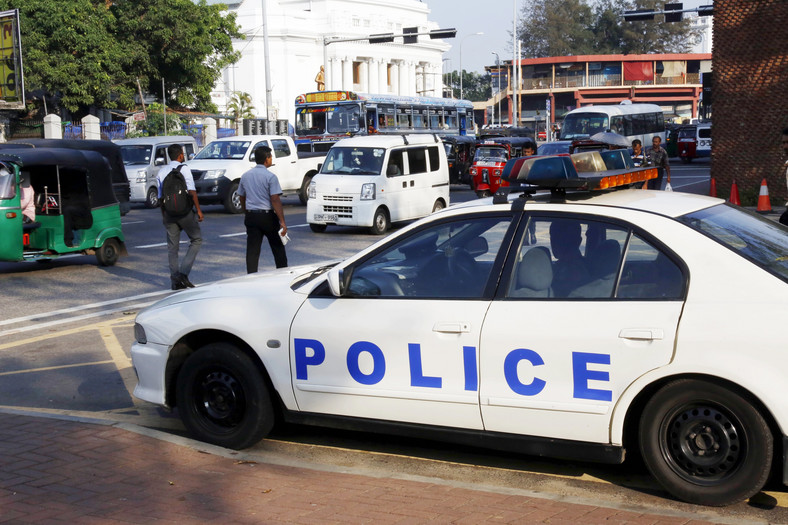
x,y
581,374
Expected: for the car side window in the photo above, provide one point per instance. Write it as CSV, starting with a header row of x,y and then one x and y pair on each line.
x,y
435,159
281,148
161,153
649,273
188,149
575,258
567,257
417,160
395,166
449,260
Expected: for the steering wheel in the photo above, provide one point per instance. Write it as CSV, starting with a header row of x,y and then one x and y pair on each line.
x,y
462,266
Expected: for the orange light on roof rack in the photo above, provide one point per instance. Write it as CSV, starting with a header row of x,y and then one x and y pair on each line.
x,y
624,179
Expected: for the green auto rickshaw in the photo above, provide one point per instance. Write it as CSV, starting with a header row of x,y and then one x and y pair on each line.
x,y
71,208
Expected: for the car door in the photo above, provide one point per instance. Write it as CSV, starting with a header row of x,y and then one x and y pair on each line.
x,y
402,344
285,164
585,308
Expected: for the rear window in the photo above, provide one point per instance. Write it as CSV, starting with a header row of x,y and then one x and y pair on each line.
x,y
760,240
704,133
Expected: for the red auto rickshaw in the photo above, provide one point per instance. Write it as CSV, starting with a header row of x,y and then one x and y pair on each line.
x,y
491,156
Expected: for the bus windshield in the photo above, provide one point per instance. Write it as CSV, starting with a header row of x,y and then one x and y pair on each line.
x,y
583,125
354,161
320,120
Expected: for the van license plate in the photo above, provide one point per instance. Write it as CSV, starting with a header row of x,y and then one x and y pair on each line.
x,y
326,217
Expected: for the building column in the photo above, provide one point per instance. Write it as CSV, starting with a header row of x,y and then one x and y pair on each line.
x,y
383,69
374,77
395,76
363,75
347,74
336,73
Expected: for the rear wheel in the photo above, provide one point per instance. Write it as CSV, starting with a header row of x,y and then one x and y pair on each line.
x,y
317,228
438,206
380,222
705,443
483,193
222,397
232,203
152,198
108,253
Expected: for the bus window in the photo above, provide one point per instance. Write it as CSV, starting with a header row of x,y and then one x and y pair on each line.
x,y
404,120
418,120
311,121
435,121
345,119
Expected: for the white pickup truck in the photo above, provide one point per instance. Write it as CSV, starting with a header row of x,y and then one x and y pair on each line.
x,y
217,169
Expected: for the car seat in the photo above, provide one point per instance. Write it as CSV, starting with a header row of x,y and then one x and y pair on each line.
x,y
603,267
534,274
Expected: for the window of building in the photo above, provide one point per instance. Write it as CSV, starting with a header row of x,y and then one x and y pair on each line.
x,y
357,72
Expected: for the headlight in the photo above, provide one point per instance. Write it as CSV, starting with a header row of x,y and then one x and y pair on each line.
x,y
213,174
139,334
368,191
142,175
312,191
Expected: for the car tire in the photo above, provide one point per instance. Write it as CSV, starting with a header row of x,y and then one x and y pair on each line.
x,y
318,228
380,222
152,198
232,202
438,206
223,398
107,254
303,192
483,193
705,443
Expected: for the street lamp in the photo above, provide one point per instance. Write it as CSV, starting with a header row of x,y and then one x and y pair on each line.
x,y
443,77
461,42
498,68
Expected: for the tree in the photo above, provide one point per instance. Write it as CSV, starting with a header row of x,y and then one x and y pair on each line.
x,y
240,106
475,87
83,53
154,123
70,54
185,43
556,28
571,27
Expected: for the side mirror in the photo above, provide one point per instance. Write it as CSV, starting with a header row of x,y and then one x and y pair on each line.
x,y
191,156
251,158
338,280
320,167
158,161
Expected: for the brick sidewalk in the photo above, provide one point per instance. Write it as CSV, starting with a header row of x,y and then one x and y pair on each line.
x,y
62,471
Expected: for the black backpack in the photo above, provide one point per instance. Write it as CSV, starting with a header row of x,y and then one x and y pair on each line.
x,y
175,198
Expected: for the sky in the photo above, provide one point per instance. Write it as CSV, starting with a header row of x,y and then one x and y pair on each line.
x,y
491,17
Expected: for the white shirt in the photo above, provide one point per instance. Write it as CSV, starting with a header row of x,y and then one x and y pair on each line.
x,y
185,171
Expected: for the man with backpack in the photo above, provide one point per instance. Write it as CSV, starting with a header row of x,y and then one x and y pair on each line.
x,y
178,200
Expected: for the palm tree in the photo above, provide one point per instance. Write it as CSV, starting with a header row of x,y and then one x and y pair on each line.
x,y
240,106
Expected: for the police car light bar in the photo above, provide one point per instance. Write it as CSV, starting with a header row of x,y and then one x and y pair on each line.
x,y
559,172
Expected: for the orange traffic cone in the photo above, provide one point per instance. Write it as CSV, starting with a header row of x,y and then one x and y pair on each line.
x,y
713,188
764,204
734,199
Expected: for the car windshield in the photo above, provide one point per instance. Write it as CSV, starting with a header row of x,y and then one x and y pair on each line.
x,y
7,184
553,148
760,240
354,161
224,150
135,154
495,153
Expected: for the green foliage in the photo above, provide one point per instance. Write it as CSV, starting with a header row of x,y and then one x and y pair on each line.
x,y
475,87
153,124
572,27
82,53
240,106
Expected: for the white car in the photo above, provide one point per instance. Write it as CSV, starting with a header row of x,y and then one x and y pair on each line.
x,y
580,327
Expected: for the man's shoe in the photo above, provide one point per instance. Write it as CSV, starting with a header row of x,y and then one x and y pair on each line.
x,y
185,281
178,286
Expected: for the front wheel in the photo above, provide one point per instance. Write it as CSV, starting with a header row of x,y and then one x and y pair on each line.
x,y
317,228
380,222
232,202
152,198
222,397
108,253
303,192
483,193
705,443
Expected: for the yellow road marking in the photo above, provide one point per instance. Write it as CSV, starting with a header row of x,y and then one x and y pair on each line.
x,y
71,331
50,368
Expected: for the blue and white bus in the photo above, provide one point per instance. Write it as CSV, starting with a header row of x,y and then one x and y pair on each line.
x,y
633,121
323,117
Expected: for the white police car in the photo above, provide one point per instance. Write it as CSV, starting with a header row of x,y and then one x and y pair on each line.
x,y
577,326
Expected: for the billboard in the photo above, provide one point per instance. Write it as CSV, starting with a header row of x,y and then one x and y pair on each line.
x,y
12,86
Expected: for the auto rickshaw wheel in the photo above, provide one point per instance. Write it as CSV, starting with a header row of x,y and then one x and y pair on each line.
x,y
108,253
686,160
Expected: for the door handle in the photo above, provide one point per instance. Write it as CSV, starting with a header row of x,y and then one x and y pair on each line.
x,y
642,334
452,328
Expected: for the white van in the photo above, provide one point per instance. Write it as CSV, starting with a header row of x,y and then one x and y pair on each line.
x,y
143,158
373,181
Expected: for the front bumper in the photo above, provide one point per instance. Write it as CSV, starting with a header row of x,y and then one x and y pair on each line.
x,y
150,362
